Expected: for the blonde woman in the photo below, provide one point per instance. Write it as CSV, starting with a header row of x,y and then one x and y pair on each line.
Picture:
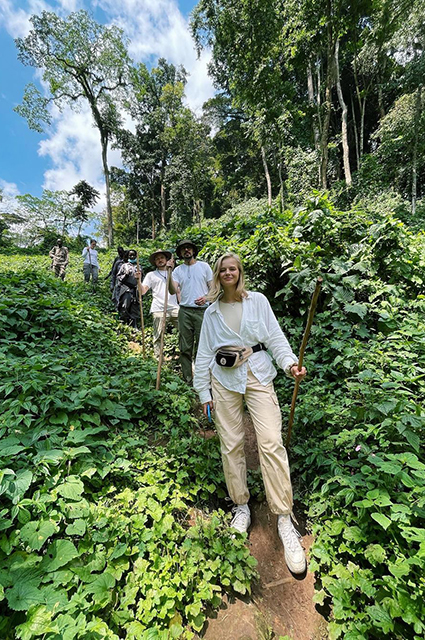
x,y
233,364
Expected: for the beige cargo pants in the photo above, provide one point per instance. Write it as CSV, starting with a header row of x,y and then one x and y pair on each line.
x,y
158,316
264,409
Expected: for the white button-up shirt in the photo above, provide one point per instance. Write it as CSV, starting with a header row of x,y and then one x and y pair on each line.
x,y
258,325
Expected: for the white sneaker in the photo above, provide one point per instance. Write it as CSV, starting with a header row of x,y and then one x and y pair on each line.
x,y
241,518
294,553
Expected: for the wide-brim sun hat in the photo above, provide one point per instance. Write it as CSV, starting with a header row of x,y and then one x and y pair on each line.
x,y
189,242
158,252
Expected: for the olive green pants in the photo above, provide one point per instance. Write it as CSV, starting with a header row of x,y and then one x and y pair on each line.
x,y
190,323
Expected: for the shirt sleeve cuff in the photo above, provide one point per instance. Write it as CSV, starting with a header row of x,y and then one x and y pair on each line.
x,y
287,368
205,396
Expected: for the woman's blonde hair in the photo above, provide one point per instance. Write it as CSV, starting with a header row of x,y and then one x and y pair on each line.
x,y
216,289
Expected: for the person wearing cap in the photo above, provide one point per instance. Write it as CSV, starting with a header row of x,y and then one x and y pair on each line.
x,y
192,279
60,256
157,281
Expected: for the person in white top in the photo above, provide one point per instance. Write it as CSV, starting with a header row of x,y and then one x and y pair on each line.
x,y
91,264
191,280
242,323
156,281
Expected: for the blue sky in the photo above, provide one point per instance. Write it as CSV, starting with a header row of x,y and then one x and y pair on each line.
x,y
69,150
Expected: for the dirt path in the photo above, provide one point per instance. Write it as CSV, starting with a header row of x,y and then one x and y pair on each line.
x,y
280,605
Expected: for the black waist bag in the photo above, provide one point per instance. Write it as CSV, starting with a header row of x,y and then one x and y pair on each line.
x,y
232,357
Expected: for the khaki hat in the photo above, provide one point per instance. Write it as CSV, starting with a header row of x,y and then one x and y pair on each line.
x,y
153,255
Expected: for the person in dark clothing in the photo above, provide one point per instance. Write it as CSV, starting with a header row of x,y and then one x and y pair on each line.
x,y
118,261
128,280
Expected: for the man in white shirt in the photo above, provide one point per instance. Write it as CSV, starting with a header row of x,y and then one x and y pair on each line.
x,y
156,281
192,279
91,264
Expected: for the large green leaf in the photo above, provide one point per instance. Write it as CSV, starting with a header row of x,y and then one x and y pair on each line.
x,y
71,489
58,554
35,533
381,617
23,595
19,484
101,587
54,456
76,528
381,519
39,623
10,446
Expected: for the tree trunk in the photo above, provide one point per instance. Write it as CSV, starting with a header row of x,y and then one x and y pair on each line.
x,y
104,143
267,174
282,197
344,126
153,225
418,99
356,133
319,100
362,116
310,86
380,101
327,107
163,202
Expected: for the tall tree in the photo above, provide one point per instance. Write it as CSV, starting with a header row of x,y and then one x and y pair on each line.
x,y
161,118
86,196
80,60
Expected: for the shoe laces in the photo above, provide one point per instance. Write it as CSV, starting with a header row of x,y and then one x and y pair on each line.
x,y
240,516
290,535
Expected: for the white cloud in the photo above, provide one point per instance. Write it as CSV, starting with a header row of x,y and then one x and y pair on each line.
x,y
70,5
75,152
9,189
158,29
15,21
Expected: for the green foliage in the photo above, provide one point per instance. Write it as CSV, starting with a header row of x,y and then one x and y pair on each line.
x,y
112,522
110,526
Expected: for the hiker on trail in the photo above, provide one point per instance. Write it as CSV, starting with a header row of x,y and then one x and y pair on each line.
x,y
60,256
156,280
233,364
118,261
127,283
91,264
192,279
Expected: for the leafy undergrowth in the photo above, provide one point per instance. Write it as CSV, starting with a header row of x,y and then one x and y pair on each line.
x,y
110,522
83,431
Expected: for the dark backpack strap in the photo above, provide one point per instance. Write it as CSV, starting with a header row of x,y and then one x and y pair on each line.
x,y
258,347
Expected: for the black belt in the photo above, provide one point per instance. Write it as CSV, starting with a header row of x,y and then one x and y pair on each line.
x,y
259,347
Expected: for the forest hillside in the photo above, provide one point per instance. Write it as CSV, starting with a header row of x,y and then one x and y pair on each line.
x,y
114,523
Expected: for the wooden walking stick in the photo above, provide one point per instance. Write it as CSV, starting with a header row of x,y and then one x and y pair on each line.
x,y
142,322
301,356
164,324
